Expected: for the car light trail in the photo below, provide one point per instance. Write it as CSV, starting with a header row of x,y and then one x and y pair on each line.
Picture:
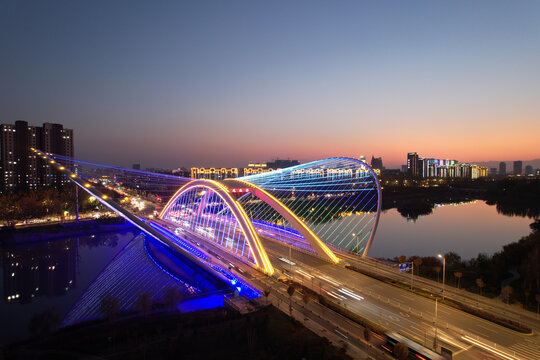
x,y
351,294
489,348
287,261
330,280
304,273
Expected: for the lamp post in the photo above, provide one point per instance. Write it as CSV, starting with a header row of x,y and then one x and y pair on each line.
x,y
443,272
357,242
436,327
77,198
412,275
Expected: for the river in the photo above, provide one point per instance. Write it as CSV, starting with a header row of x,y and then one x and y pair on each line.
x,y
466,229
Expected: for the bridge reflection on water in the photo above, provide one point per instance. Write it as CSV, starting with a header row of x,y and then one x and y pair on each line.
x,y
73,275
142,266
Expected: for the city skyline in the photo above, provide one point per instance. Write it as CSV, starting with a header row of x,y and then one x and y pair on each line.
x,y
274,163
183,84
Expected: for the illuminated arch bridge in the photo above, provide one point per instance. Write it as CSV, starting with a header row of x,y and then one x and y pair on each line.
x,y
319,206
323,207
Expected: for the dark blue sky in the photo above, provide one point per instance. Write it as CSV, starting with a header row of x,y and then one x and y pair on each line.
x,y
170,83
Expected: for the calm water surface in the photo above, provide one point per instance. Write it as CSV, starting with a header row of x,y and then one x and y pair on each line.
x,y
36,277
466,229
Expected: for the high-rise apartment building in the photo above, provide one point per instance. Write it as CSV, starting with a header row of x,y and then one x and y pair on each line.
x,y
376,163
20,168
518,167
502,168
56,140
412,165
529,170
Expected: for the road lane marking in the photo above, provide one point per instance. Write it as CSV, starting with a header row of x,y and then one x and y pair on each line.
x,y
489,348
521,348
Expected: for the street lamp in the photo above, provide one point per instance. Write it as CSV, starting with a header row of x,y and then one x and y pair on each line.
x,y
436,326
357,242
443,272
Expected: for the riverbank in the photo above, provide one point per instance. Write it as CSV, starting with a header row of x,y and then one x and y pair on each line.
x,y
46,231
511,274
511,196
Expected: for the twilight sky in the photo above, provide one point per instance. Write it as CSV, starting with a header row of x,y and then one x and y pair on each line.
x,y
182,83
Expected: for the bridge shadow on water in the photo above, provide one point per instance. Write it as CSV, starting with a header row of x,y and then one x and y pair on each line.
x,y
144,266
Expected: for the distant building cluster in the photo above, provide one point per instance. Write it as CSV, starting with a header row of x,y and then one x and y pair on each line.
x,y
517,169
418,167
21,169
251,169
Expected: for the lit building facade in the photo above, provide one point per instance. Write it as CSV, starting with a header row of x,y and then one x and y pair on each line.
x,y
442,168
412,165
260,168
254,168
214,173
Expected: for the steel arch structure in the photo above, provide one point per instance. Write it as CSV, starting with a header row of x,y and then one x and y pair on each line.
x,y
296,223
339,199
207,207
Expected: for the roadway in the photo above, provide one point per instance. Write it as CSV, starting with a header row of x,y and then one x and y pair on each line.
x,y
400,310
468,337
474,300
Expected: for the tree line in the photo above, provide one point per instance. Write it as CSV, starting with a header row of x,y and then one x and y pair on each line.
x,y
512,273
41,203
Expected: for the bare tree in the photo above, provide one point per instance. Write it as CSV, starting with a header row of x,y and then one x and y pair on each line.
x,y
507,292
143,304
417,263
172,297
480,284
109,306
266,293
438,270
290,290
306,298
458,275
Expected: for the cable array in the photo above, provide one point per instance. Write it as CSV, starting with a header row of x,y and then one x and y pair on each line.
x,y
337,198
